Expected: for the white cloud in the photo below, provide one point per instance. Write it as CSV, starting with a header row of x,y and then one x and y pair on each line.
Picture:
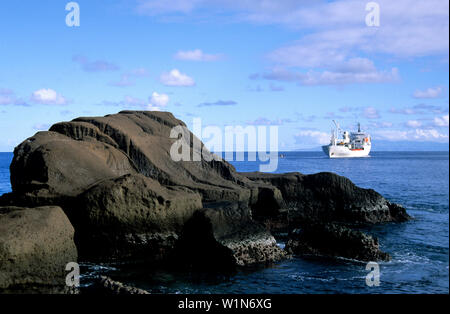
x,y
312,137
333,78
441,121
432,92
356,65
429,134
413,123
371,113
157,101
420,109
330,77
409,28
196,55
176,78
48,97
411,135
334,34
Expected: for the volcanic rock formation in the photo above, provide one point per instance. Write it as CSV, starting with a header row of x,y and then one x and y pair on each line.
x,y
126,197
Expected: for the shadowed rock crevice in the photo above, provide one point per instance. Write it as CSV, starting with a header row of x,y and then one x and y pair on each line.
x,y
199,249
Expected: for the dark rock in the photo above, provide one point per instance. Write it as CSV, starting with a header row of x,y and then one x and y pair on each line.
x,y
398,213
223,236
35,246
53,164
327,197
144,137
131,216
335,241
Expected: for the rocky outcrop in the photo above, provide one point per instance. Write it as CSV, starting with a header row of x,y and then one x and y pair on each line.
x,y
114,178
35,246
324,197
222,236
145,138
335,241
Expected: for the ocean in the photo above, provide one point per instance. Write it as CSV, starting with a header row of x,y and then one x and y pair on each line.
x,y
419,248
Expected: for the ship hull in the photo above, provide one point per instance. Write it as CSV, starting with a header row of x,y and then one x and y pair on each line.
x,y
337,151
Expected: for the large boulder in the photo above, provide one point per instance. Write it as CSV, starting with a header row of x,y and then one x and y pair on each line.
x,y
334,240
35,246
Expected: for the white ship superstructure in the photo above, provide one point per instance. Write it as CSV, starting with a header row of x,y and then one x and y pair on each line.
x,y
344,144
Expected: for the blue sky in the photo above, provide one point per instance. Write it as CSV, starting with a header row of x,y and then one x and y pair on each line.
x,y
296,64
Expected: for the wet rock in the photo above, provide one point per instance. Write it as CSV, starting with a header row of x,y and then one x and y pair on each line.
x,y
335,241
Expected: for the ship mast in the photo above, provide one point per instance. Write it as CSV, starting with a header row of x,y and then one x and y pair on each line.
x,y
338,129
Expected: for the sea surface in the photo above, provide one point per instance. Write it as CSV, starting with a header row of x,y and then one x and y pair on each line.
x,y
419,248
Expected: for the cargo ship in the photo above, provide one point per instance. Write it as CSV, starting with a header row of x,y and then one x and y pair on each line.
x,y
346,145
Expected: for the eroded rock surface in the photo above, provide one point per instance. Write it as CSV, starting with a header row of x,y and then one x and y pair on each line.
x,y
35,246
